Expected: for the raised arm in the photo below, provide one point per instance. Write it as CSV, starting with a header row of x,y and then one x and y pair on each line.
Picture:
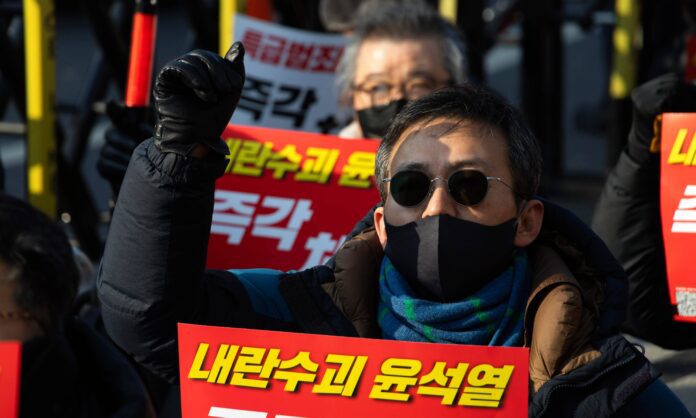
x,y
627,216
153,271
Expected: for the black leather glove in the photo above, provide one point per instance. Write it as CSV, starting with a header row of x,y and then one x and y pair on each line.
x,y
666,93
195,96
129,128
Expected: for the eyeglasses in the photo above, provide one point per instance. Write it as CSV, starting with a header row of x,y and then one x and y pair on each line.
x,y
382,92
410,188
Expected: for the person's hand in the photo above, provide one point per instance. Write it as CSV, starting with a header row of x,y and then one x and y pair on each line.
x,y
128,129
195,96
666,93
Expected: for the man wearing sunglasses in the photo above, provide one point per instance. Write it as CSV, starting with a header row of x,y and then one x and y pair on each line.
x,y
459,252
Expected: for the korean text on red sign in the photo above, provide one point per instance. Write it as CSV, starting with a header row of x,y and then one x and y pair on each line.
x,y
288,198
291,81
231,372
678,207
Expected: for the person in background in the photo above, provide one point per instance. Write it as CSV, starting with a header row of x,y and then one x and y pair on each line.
x,y
461,251
67,369
339,16
399,51
627,215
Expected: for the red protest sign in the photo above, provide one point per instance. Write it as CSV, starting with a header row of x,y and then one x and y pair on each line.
x,y
233,372
10,363
288,198
678,207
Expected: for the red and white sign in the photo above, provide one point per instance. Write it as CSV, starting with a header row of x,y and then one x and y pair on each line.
x,y
678,207
232,372
291,82
288,198
10,364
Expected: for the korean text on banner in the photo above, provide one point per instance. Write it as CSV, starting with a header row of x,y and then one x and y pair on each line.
x,y
291,81
678,208
10,364
288,198
232,372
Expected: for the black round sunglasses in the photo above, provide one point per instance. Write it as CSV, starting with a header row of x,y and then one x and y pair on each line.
x,y
467,187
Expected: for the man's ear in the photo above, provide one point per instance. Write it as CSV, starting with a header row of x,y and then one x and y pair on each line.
x,y
379,226
529,223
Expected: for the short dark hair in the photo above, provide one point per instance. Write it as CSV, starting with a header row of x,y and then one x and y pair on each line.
x,y
38,250
403,20
478,104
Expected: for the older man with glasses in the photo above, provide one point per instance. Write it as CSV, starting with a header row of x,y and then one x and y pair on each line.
x,y
461,250
400,51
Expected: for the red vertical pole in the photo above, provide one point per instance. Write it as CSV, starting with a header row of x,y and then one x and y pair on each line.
x,y
142,53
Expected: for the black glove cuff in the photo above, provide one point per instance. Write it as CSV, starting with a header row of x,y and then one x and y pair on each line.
x,y
183,169
177,144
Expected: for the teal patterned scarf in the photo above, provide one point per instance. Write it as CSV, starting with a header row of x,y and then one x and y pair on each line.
x,y
494,315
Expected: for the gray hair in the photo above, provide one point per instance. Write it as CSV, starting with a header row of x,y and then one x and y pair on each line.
x,y
401,20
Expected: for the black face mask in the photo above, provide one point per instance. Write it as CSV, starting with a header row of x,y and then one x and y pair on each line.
x,y
446,259
374,121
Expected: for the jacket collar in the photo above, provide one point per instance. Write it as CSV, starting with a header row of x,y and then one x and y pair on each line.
x,y
558,323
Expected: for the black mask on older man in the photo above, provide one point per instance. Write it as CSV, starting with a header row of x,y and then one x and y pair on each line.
x,y
375,120
446,259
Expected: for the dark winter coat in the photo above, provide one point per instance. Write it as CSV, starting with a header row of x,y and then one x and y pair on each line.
x,y
153,276
76,373
627,217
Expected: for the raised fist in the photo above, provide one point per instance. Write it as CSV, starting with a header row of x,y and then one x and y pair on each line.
x,y
667,93
195,96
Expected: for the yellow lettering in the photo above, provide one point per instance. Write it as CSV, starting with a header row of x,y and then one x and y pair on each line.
x,y
196,371
676,156
223,363
692,152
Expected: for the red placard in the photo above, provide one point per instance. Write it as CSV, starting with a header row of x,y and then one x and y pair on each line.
x,y
10,364
288,198
233,372
678,206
